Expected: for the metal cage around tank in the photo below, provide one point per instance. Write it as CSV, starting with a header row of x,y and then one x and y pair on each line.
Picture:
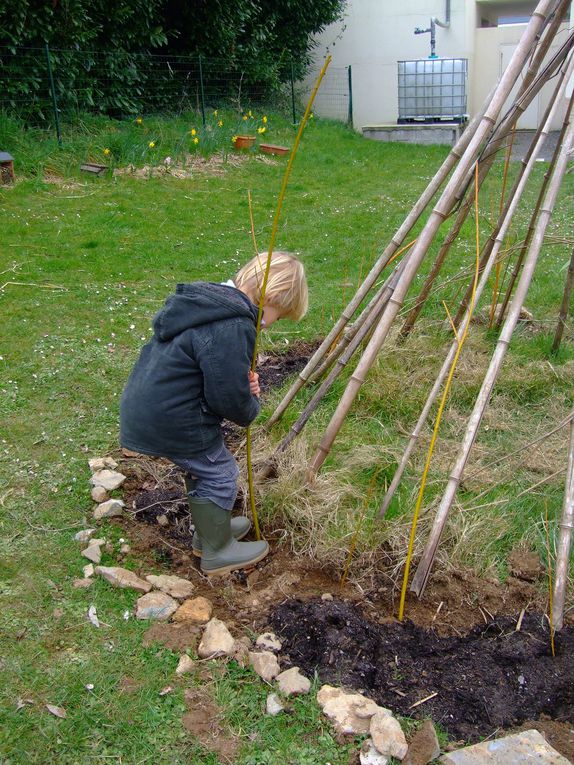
x,y
433,90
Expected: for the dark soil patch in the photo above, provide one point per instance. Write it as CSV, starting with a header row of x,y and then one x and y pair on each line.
x,y
493,678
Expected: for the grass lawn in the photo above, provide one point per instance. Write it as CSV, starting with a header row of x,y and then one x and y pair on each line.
x,y
85,263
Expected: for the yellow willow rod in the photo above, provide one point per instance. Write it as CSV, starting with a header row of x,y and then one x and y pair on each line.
x,y
266,278
441,406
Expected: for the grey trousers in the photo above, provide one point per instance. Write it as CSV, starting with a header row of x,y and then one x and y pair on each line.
x,y
215,476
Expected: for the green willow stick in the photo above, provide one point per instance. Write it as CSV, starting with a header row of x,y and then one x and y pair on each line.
x,y
266,277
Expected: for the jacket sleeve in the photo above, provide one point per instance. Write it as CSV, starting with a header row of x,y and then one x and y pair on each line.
x,y
225,361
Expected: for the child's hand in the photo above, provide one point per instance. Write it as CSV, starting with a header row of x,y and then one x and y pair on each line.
x,y
254,383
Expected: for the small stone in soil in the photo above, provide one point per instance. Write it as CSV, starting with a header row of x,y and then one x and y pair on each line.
x,y
424,746
175,586
216,641
121,577
107,479
83,583
264,664
387,735
293,683
350,713
155,605
99,494
93,553
113,508
370,756
84,535
273,705
269,642
196,610
185,665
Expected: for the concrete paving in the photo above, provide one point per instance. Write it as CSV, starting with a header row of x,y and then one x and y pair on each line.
x,y
527,748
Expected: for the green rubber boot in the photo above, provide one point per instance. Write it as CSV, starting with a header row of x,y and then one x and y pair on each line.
x,y
221,552
240,526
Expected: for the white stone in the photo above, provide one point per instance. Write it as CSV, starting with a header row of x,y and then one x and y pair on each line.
x,y
93,553
113,508
99,494
88,570
293,683
269,642
370,756
519,749
387,735
155,605
185,665
273,705
121,577
100,463
265,664
175,586
163,520
216,640
326,596
84,535
124,549
350,713
108,479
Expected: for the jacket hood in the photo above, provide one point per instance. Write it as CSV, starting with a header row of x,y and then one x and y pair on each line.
x,y
200,303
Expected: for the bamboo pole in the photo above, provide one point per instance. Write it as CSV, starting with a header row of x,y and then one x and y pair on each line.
x,y
366,327
497,242
525,96
564,306
564,541
366,315
436,217
396,241
423,571
534,215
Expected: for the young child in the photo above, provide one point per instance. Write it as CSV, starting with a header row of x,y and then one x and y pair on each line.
x,y
196,371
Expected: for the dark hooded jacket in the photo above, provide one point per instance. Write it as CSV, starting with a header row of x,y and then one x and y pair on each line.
x,y
192,373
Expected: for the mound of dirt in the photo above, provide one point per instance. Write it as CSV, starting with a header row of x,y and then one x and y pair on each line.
x,y
492,678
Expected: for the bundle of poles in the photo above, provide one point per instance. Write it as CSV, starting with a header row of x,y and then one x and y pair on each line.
x,y
541,57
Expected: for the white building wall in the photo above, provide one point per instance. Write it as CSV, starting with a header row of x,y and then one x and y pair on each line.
x,y
375,34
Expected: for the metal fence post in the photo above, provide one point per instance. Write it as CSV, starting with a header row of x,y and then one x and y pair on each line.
x,y
350,78
202,94
293,94
53,91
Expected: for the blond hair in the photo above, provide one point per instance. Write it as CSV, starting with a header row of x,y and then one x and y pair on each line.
x,y
286,286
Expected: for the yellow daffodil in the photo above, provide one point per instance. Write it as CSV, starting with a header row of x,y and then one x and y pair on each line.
x,y
250,113
234,139
139,120
193,131
196,140
151,144
215,112
261,130
245,118
264,120
220,123
107,152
